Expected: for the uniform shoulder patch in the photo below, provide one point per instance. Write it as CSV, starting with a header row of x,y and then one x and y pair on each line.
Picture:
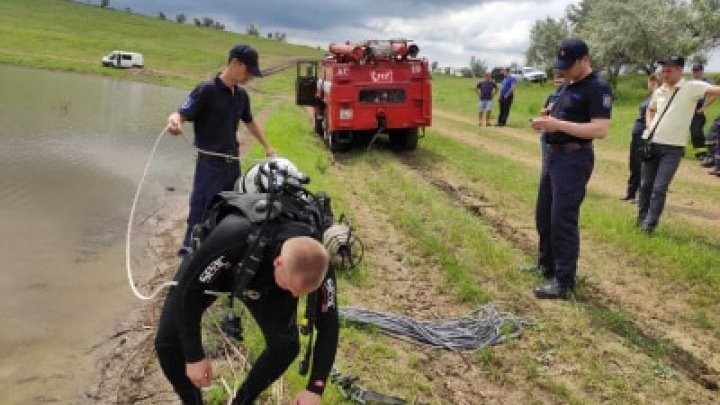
x,y
607,101
188,103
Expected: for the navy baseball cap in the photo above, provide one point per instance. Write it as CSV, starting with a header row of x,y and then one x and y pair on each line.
x,y
569,52
247,55
672,60
698,67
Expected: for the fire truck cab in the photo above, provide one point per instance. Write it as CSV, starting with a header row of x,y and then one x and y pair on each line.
x,y
362,90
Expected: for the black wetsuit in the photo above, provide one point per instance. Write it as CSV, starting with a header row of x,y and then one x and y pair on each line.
x,y
178,338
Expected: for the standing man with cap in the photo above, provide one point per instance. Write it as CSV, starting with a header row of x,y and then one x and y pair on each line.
x,y
581,114
676,103
697,125
215,107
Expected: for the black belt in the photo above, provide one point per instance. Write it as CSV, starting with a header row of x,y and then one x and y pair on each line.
x,y
230,158
569,146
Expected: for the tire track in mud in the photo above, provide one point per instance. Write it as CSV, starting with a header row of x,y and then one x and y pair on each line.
x,y
650,341
412,285
406,282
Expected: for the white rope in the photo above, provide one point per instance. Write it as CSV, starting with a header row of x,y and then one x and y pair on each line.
x,y
128,268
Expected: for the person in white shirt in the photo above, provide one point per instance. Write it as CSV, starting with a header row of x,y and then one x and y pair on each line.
x,y
670,134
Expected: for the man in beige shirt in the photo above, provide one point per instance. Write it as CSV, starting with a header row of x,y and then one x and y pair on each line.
x,y
679,97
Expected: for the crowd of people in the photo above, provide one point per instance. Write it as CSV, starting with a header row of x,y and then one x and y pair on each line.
x,y
657,173
577,113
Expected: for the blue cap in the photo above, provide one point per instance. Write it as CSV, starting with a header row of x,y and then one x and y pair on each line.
x,y
247,55
569,52
672,60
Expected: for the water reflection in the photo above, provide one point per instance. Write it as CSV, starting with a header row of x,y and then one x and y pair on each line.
x,y
72,150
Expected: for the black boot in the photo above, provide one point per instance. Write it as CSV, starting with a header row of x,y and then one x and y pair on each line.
x,y
553,290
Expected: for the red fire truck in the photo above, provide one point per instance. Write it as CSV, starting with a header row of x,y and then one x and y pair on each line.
x,y
362,90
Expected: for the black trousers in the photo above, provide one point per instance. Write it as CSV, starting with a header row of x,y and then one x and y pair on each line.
x,y
505,104
697,135
634,164
561,192
275,313
170,355
212,175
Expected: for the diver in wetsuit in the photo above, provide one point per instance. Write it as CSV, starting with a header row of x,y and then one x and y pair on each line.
x,y
290,263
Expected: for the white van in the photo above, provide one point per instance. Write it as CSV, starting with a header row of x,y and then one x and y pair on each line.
x,y
122,59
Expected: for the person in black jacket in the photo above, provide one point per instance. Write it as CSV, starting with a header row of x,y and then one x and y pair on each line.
x,y
634,162
291,263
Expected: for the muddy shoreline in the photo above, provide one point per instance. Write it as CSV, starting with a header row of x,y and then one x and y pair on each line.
x,y
124,358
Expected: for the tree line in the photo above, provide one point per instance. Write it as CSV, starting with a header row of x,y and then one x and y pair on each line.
x,y
476,68
632,34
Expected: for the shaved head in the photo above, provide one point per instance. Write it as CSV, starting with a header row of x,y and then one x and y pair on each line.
x,y
301,266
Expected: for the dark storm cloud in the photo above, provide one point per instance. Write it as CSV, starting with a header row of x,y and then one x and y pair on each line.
x,y
305,15
449,32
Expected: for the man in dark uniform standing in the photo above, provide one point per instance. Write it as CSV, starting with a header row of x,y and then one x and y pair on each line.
x,y
581,114
215,107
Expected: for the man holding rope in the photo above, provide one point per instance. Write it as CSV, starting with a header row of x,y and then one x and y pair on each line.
x,y
215,107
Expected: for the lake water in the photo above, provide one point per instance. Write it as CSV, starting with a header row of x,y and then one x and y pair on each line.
x,y
72,150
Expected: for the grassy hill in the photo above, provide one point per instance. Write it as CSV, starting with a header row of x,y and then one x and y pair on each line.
x,y
61,34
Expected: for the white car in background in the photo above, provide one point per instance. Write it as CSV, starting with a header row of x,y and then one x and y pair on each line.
x,y
531,74
123,59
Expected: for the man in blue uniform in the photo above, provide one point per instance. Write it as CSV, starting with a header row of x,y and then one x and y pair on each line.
x,y
581,114
507,92
215,107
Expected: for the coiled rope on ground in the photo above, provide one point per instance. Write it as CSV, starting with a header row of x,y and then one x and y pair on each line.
x,y
483,326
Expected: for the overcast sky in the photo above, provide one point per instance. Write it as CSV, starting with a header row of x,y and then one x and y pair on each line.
x,y
447,31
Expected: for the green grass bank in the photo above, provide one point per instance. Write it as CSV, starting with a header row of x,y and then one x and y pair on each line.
x,y
65,35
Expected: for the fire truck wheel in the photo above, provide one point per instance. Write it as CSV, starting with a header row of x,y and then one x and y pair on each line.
x,y
334,144
328,139
411,139
404,139
319,124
